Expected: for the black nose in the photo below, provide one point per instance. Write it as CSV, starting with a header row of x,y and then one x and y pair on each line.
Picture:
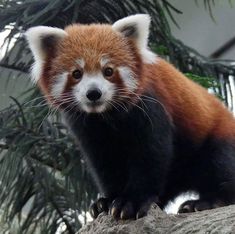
x,y
94,94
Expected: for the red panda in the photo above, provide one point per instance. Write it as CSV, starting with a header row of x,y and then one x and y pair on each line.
x,y
147,133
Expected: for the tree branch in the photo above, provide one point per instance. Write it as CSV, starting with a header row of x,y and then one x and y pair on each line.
x,y
220,220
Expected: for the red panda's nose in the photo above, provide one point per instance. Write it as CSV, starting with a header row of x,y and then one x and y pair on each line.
x,y
94,94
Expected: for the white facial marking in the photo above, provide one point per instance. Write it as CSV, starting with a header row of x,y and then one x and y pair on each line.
x,y
35,36
139,28
59,85
128,78
104,60
89,81
81,62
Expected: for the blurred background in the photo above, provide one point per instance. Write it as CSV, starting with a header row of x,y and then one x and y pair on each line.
x,y
212,35
44,184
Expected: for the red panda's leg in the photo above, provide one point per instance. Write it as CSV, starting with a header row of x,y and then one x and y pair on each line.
x,y
213,176
146,183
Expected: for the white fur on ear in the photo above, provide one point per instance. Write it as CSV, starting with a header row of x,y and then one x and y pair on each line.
x,y
137,28
40,40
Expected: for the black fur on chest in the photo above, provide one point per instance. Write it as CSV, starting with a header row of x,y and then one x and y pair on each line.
x,y
121,147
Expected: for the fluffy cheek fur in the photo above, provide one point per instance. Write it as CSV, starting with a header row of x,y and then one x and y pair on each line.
x,y
115,91
58,85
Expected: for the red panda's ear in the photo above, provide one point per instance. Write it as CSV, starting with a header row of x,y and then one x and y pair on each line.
x,y
136,27
42,41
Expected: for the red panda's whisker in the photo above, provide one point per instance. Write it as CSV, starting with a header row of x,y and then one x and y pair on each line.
x,y
35,99
46,104
41,103
115,101
36,106
52,111
122,105
43,99
132,103
146,98
112,104
46,116
72,105
140,99
123,96
130,98
130,92
68,109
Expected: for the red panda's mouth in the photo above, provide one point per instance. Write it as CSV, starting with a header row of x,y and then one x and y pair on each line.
x,y
95,104
94,107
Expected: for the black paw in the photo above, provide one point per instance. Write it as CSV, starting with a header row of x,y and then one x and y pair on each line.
x,y
101,205
127,209
199,205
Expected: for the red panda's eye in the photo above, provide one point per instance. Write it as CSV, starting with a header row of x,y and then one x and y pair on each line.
x,y
77,74
108,71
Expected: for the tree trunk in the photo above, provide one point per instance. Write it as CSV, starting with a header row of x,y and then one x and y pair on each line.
x,y
219,221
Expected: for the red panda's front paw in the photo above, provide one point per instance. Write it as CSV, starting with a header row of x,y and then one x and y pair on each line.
x,y
101,205
125,209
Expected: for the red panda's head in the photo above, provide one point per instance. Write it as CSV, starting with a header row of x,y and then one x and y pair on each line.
x,y
95,66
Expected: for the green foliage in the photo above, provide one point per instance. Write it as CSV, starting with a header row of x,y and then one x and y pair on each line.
x,y
207,82
40,169
42,175
160,50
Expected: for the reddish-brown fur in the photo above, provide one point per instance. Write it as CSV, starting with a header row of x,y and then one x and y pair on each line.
x,y
192,109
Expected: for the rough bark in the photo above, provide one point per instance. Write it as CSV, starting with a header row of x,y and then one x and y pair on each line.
x,y
219,221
